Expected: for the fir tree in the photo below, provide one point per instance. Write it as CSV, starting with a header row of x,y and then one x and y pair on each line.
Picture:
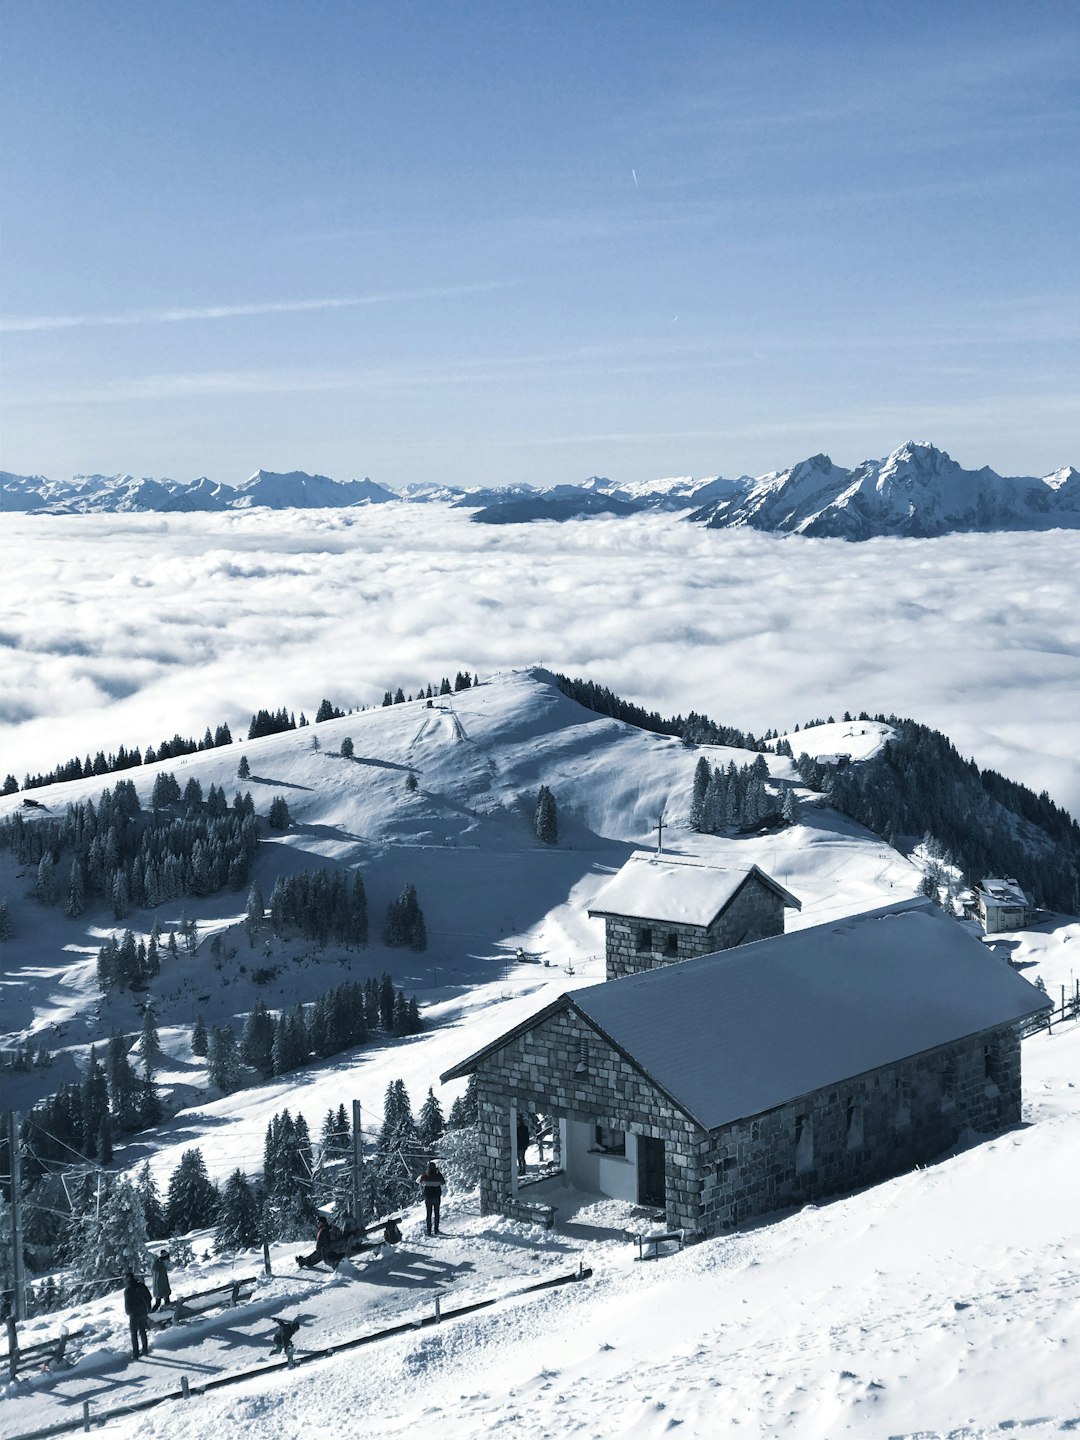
x,y
222,1060
199,1038
76,901
191,1202
257,1041
238,1215
115,1240
243,770
255,912
545,819
150,1042
430,1123
702,776
279,817
465,1109
347,748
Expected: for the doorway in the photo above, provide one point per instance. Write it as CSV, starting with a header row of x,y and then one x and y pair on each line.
x,y
651,1171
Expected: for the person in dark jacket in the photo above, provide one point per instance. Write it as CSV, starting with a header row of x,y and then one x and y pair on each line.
x,y
431,1182
329,1246
159,1280
524,1135
137,1307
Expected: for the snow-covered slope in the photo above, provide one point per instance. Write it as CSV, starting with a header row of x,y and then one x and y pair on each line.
x,y
917,490
944,1302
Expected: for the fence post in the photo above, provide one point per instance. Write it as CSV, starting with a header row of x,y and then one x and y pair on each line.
x,y
438,1309
13,1346
266,1258
185,1388
235,1293
86,1414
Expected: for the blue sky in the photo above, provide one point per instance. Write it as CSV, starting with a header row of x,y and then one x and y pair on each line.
x,y
489,242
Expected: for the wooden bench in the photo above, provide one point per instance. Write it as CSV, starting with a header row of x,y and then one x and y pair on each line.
x,y
658,1238
188,1308
22,1357
533,1212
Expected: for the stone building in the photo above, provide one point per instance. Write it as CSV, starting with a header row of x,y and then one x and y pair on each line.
x,y
662,908
762,1077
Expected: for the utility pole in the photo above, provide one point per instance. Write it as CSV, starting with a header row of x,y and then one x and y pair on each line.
x,y
357,1162
18,1302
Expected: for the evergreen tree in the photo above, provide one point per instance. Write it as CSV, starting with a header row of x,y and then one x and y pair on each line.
x,y
95,1102
279,817
123,1085
191,1201
114,1241
790,809
7,929
45,886
150,1042
430,1123
411,783
347,748
238,1215
76,902
545,819
702,776
199,1038
405,923
222,1059
243,770
257,1041
465,1109
256,910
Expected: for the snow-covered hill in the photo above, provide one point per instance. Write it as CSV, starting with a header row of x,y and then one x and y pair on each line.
x,y
944,1302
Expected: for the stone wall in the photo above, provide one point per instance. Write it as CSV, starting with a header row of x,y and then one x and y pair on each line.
x,y
831,1142
563,1067
754,913
862,1130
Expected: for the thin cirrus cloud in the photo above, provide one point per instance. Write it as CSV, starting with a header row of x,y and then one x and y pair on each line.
x,y
177,314
273,608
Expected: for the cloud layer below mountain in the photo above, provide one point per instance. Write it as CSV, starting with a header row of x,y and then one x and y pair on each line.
x,y
123,629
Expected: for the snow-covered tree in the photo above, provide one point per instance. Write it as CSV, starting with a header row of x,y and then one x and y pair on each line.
x,y
545,819
191,1201
430,1123
114,1241
222,1059
199,1038
238,1219
279,817
150,1042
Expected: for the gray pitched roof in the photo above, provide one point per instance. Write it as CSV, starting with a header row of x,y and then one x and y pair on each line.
x,y
742,1031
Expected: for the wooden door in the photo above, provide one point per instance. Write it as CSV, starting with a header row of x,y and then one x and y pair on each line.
x,y
651,1171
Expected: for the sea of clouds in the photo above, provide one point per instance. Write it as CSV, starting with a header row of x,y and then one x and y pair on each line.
x,y
124,629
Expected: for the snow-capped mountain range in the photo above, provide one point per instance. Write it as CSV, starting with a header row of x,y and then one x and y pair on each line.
x,y
917,490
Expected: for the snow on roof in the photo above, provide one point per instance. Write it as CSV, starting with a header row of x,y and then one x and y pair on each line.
x,y
1004,891
679,888
742,1031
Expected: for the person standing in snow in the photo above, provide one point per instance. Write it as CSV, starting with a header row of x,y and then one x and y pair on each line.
x,y
431,1182
159,1280
137,1307
524,1135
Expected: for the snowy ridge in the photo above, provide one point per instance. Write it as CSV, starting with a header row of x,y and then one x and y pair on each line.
x,y
917,490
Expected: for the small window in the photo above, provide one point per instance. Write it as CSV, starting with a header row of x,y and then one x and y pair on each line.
x,y
948,1085
804,1144
610,1141
644,940
854,1126
671,945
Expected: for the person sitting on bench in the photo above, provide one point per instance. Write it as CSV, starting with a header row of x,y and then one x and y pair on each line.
x,y
329,1246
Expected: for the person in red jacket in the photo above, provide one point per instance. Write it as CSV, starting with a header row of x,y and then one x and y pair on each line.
x,y
431,1181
